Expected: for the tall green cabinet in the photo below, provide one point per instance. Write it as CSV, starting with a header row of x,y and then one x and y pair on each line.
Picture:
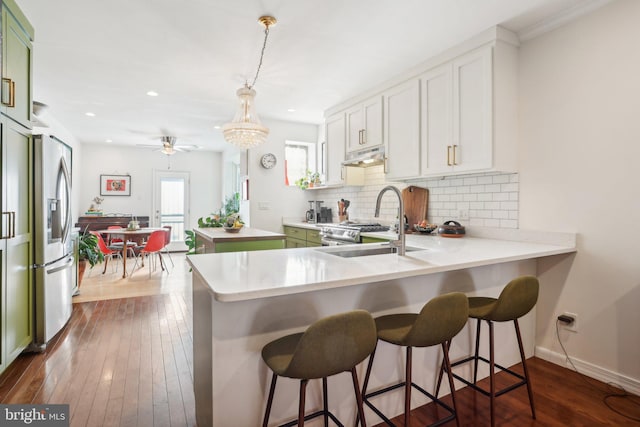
x,y
16,222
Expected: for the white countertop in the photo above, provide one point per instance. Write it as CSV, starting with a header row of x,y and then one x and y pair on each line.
x,y
218,234
239,276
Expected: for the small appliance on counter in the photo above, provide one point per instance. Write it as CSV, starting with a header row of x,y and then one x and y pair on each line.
x,y
451,229
325,215
310,215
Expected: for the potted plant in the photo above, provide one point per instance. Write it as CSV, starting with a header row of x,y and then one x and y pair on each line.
x,y
88,252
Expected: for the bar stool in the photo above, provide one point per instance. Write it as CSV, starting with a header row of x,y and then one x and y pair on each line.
x,y
516,299
439,320
329,346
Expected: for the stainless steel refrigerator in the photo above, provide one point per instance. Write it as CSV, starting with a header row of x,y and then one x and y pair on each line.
x,y
55,265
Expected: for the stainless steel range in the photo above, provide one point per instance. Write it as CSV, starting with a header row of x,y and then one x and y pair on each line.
x,y
346,234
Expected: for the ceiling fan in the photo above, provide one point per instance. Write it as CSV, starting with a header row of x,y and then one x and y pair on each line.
x,y
169,146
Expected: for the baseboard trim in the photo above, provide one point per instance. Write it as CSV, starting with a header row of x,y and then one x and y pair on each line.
x,y
631,385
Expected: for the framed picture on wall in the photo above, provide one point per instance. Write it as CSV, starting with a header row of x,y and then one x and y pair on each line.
x,y
115,185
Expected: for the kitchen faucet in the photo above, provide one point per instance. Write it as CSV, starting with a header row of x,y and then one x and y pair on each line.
x,y
400,243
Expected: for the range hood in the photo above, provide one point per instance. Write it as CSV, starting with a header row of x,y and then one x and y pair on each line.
x,y
365,157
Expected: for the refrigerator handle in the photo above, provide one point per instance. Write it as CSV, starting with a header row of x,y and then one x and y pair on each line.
x,y
66,265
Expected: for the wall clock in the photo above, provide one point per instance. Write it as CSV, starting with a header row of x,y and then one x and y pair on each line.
x,y
268,161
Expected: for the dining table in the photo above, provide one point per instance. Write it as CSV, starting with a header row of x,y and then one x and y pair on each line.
x,y
136,235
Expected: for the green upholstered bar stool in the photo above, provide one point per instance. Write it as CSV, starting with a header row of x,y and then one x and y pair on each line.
x,y
329,346
516,299
437,323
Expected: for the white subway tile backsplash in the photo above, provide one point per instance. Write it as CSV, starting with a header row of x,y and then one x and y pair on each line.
x,y
491,198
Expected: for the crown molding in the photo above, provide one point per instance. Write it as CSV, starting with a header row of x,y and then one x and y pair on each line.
x,y
560,19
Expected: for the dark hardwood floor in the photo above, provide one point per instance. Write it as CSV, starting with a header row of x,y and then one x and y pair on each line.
x,y
119,362
562,398
128,362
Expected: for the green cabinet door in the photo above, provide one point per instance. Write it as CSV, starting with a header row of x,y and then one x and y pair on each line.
x,y
17,36
295,243
253,245
366,239
16,229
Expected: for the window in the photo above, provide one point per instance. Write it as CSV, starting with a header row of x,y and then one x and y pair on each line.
x,y
300,157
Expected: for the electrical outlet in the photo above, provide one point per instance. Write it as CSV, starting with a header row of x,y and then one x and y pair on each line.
x,y
264,206
463,214
573,326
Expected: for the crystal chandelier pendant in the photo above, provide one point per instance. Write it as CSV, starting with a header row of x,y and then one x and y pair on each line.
x,y
246,130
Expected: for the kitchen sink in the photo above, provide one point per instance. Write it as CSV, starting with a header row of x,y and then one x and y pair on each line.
x,y
358,251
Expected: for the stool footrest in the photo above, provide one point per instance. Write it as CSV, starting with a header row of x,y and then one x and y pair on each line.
x,y
365,399
314,415
474,386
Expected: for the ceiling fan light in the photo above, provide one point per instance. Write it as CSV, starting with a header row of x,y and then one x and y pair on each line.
x,y
168,150
246,130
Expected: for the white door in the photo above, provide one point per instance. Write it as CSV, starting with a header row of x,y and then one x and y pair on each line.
x,y
171,205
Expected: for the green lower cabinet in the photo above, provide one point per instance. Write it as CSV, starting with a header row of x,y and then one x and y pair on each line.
x,y
295,243
254,245
366,239
302,237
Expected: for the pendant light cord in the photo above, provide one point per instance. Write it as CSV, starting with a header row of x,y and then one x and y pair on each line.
x,y
264,46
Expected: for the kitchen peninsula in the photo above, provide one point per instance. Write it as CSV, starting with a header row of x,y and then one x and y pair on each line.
x,y
243,300
216,240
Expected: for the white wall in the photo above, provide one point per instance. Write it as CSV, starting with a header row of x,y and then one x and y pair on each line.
x,y
580,148
205,169
266,186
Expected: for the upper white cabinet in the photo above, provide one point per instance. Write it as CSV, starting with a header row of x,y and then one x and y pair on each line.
x,y
454,114
365,124
402,125
437,117
335,134
457,117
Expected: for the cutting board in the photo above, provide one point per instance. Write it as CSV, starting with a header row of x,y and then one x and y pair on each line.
x,y
415,204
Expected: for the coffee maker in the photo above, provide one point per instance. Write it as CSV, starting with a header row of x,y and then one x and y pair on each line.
x,y
311,216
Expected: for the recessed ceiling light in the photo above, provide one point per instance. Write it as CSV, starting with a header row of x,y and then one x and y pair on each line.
x,y
108,140
152,93
216,127
291,110
90,114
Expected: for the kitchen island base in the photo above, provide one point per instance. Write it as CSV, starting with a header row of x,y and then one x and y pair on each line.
x,y
231,381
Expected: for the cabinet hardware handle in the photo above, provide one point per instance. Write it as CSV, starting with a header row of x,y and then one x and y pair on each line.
x,y
364,136
13,225
323,148
10,90
449,156
8,226
342,173
384,164
455,148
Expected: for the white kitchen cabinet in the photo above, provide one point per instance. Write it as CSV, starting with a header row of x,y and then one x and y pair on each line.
x,y
335,172
402,125
436,118
457,115
335,134
472,111
365,124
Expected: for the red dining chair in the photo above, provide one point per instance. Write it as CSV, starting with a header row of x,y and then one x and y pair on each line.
x,y
106,251
154,245
166,243
116,243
